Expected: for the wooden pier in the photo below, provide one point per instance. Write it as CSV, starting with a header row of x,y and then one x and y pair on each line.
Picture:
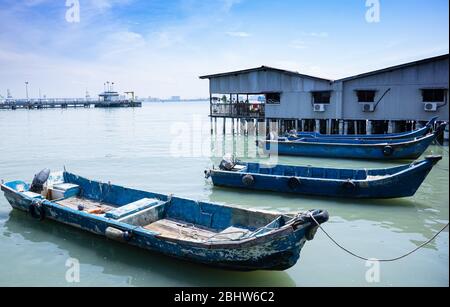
x,y
66,103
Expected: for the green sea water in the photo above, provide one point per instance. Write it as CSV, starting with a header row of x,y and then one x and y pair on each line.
x,y
166,148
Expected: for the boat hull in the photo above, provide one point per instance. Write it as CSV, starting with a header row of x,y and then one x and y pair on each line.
x,y
392,136
405,183
408,149
276,251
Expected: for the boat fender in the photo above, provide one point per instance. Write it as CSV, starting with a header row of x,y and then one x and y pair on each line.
x,y
311,233
118,235
127,236
321,216
248,180
207,174
80,208
388,151
349,184
36,210
294,183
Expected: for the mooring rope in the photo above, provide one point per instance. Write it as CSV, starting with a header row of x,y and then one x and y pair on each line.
x,y
374,259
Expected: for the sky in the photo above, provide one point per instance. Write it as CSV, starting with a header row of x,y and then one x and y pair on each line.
x,y
159,48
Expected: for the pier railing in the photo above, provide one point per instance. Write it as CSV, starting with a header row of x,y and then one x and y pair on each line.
x,y
238,110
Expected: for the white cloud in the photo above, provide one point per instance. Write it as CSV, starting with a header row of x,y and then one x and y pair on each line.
x,y
315,34
228,4
298,44
239,34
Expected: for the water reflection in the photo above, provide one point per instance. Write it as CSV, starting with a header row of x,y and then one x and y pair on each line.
x,y
139,267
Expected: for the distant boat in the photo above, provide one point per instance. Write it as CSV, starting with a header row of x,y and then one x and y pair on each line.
x,y
353,149
405,135
207,233
395,182
111,99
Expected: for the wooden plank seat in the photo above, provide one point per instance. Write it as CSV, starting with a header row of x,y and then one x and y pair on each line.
x,y
89,206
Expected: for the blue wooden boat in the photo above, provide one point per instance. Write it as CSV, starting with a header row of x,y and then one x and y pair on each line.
x,y
392,136
353,149
206,233
395,182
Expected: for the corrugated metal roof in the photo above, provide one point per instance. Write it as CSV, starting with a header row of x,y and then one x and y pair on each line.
x,y
267,68
262,68
392,68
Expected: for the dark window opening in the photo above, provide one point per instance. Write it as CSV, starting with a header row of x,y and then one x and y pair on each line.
x,y
273,98
434,95
366,96
321,97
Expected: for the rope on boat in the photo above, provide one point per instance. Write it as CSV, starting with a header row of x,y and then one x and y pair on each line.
x,y
374,259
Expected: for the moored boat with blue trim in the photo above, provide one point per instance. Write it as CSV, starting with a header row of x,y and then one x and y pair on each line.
x,y
355,149
395,182
390,136
202,232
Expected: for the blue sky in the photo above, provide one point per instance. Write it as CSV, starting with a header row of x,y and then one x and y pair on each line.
x,y
160,47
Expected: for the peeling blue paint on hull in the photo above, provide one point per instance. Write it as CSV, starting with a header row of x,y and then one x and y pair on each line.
x,y
272,241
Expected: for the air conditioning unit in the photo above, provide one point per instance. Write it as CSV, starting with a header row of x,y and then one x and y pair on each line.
x,y
319,108
368,107
431,107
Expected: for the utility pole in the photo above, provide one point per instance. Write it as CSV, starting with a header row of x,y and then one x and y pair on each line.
x,y
26,88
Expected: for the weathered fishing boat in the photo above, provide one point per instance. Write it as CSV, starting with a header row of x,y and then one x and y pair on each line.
x,y
354,149
202,232
392,136
396,182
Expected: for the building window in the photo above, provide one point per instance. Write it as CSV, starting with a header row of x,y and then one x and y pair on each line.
x,y
323,97
273,98
434,95
366,95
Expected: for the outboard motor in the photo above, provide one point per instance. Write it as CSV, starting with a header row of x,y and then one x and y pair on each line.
x,y
292,133
37,186
228,163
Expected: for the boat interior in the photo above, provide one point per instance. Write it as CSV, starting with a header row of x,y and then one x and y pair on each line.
x,y
168,217
316,172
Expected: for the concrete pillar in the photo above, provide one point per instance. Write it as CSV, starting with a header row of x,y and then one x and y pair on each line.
x,y
341,127
296,125
232,126
356,126
224,126
369,127
317,127
242,126
303,125
390,127
215,124
446,133
328,122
